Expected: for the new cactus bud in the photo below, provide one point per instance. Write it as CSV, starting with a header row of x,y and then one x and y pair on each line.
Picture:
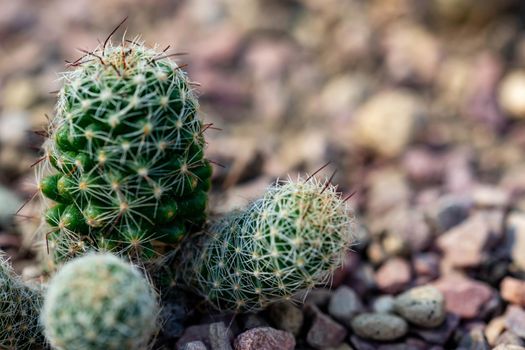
x,y
288,241
124,160
19,312
100,302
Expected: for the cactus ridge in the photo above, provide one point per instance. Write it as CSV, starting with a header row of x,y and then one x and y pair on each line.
x,y
288,241
97,302
19,311
124,165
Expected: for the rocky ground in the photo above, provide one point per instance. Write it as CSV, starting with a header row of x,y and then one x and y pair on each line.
x,y
420,106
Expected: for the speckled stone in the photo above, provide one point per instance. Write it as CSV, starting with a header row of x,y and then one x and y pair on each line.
x,y
423,306
377,326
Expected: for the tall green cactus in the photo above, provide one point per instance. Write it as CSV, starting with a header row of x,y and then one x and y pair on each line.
x,y
19,312
124,167
288,241
99,302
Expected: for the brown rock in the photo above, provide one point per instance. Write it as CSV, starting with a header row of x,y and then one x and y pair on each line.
x,y
264,338
324,331
464,245
386,123
393,276
387,188
513,290
464,296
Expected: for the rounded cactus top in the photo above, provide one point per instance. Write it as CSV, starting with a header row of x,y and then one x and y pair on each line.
x,y
99,302
288,241
124,163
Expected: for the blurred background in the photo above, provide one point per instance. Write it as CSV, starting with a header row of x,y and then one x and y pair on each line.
x,y
418,105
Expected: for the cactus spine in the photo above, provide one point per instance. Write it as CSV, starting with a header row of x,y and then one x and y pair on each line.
x,y
124,166
19,310
99,302
288,241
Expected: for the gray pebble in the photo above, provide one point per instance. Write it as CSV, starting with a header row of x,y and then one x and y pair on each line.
x,y
377,326
344,305
383,304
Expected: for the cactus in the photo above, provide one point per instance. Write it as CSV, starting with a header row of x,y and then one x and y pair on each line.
x,y
19,312
123,169
99,302
288,241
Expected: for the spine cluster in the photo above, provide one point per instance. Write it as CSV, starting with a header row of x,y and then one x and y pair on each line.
x,y
99,302
124,168
19,309
288,241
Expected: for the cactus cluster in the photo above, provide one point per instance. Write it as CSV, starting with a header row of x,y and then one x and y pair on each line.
x,y
19,309
124,172
99,302
124,169
286,242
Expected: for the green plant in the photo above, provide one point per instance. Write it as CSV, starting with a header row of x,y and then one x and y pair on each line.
x,y
19,311
124,168
99,301
288,241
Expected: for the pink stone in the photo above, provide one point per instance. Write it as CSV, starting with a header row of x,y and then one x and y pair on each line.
x,y
513,290
464,296
393,276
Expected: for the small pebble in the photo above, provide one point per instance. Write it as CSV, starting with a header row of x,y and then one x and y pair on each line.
x,y
377,326
423,306
344,305
384,304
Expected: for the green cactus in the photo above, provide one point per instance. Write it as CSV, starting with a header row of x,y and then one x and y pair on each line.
x,y
288,241
124,168
99,302
19,312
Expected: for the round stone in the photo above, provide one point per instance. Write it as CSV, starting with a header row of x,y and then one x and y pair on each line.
x,y
423,306
378,326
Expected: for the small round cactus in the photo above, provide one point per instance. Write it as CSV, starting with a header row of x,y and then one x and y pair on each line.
x,y
124,169
99,301
288,241
19,312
